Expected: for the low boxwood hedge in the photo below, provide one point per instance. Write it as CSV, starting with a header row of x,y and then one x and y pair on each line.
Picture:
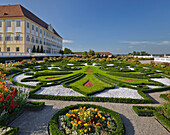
x,y
152,111
165,96
53,124
34,105
163,120
19,84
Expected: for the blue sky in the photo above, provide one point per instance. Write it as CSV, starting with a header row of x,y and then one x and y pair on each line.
x,y
117,26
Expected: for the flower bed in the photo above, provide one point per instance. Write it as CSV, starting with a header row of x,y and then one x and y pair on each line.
x,y
86,119
88,84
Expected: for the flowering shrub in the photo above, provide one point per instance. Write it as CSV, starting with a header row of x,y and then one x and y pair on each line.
x,y
11,100
86,121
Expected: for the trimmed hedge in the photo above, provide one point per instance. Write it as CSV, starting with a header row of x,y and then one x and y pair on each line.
x,y
165,96
53,124
156,89
13,130
152,111
162,119
89,98
19,84
145,110
34,105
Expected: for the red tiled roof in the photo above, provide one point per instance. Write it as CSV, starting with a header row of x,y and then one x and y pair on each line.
x,y
20,11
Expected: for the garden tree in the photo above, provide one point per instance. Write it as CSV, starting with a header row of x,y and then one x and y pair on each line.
x,y
42,50
38,49
34,50
61,52
67,51
129,53
97,55
85,53
134,52
138,53
91,52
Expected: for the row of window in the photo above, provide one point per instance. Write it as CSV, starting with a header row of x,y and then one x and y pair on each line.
x,y
9,23
36,29
8,49
32,39
9,38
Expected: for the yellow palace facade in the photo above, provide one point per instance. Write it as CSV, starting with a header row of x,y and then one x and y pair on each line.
x,y
21,30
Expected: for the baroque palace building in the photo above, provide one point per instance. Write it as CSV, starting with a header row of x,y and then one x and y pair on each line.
x,y
21,30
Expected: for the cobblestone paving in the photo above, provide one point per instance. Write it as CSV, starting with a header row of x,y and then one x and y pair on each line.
x,y
36,122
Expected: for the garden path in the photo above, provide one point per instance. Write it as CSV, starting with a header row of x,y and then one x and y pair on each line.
x,y
36,122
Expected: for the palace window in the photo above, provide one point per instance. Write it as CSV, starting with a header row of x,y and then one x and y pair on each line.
x,y
8,38
32,39
18,23
8,49
40,31
40,41
0,37
17,49
36,29
8,23
0,24
0,49
32,27
28,25
28,38
17,37
37,40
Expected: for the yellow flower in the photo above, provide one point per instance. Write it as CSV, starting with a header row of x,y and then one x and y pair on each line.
x,y
85,130
103,118
79,122
72,122
89,129
82,132
85,124
96,109
107,122
93,110
68,115
96,116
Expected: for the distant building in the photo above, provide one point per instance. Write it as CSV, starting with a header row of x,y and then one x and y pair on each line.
x,y
20,30
102,54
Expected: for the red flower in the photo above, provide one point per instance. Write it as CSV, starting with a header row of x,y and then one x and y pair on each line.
x,y
6,99
4,106
14,106
2,98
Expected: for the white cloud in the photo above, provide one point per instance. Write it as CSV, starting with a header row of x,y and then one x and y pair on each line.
x,y
146,42
67,41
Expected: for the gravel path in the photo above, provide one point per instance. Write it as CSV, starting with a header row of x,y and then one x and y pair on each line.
x,y
120,92
163,80
36,122
58,90
19,77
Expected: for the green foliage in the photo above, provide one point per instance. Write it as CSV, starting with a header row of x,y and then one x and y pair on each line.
x,y
34,49
91,53
34,105
67,51
38,49
42,50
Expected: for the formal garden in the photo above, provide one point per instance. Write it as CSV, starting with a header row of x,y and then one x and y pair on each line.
x,y
113,80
